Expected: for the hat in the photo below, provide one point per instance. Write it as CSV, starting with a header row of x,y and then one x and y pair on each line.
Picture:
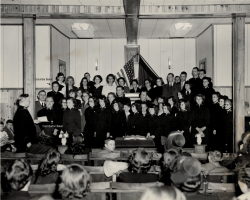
x,y
112,167
215,156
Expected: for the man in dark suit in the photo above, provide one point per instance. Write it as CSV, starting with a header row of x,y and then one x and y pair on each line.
x,y
196,82
207,91
189,94
183,77
171,88
202,74
40,104
121,97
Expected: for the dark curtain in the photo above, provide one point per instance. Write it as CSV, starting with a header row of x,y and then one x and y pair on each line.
x,y
145,72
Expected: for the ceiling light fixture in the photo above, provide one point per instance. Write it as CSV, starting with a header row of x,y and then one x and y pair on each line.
x,y
180,29
83,30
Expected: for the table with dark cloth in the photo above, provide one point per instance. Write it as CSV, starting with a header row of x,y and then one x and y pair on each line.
x,y
120,142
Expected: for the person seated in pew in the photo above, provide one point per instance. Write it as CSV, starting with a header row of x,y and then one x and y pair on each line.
x,y
214,158
75,183
109,146
5,142
47,172
9,129
243,184
245,144
15,180
140,163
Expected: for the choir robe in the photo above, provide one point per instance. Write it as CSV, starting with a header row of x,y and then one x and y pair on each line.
x,y
91,83
71,121
138,90
151,93
83,119
190,98
174,110
134,124
216,116
227,131
89,129
196,85
96,92
207,92
123,100
152,126
118,124
24,128
144,123
200,117
183,123
57,96
102,126
158,91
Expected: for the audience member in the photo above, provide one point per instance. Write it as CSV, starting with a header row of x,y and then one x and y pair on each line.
x,y
79,92
57,96
110,86
70,82
126,108
171,88
109,145
5,142
96,89
9,129
245,145
77,147
90,83
135,88
60,79
121,82
222,101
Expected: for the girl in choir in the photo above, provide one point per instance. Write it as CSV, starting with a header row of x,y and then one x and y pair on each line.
x,y
73,94
71,118
118,121
89,128
172,102
158,88
149,88
102,122
110,99
222,101
152,124
135,88
84,85
160,109
70,82
228,127
183,121
85,105
79,95
96,89
60,79
126,108
180,96
121,81
57,96
110,86
200,119
47,171
135,120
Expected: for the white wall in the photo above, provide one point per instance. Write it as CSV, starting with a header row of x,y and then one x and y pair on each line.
x,y
110,55
12,56
223,71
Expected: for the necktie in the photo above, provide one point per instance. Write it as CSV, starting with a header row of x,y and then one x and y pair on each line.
x,y
43,105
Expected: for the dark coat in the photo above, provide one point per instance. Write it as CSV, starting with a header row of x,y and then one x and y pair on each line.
x,y
38,107
89,126
168,91
24,128
196,85
91,83
48,179
123,100
151,93
174,110
158,91
152,124
67,90
165,124
83,119
228,131
71,120
57,96
118,124
144,123
102,125
190,98
207,92
183,123
96,92
137,91
200,117
134,124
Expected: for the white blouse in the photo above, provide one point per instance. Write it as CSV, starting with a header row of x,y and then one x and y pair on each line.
x,y
107,89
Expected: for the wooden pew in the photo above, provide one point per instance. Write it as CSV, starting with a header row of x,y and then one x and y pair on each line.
x,y
213,188
9,157
97,174
99,158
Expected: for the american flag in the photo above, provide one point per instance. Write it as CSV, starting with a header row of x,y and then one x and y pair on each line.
x,y
127,72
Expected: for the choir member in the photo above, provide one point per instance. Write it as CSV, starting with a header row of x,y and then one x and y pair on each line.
x,y
202,74
126,108
73,94
135,87
60,79
110,99
183,77
102,122
148,87
89,129
171,88
215,130
172,103
70,82
64,107
222,101
25,130
84,85
183,121
207,91
180,95
144,97
121,96
200,119
79,95
228,127
84,106
121,82
110,86
189,94
90,83
71,118
158,88
96,89
196,82
118,121
177,79
160,109
134,125
40,104
152,124
57,96
144,121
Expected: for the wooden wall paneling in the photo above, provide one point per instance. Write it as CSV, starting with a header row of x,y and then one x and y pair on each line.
x,y
166,52
11,56
105,61
72,68
117,57
93,54
43,57
20,56
2,57
178,56
189,62
154,55
81,60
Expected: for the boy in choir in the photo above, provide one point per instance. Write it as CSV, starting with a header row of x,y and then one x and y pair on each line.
x,y
120,90
196,82
60,79
202,74
57,96
121,82
143,97
127,111
9,129
171,88
40,104
189,93
109,145
183,77
207,91
144,113
177,79
90,83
